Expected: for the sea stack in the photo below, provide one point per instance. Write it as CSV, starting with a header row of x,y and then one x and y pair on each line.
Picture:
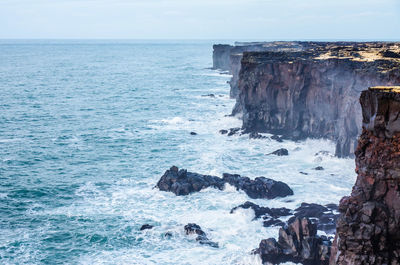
x,y
368,229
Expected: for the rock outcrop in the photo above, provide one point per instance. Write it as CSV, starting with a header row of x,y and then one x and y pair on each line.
x,y
298,242
182,182
313,93
202,238
368,229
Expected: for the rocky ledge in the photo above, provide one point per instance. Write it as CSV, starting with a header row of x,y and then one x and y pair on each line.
x,y
368,229
313,93
182,182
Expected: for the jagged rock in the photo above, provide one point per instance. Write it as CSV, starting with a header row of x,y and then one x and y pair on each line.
x,y
323,216
146,226
254,135
258,188
298,242
280,152
233,131
277,138
192,228
182,182
368,229
260,211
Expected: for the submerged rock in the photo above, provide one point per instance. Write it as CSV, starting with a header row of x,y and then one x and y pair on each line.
x,y
298,242
193,228
182,182
254,135
280,152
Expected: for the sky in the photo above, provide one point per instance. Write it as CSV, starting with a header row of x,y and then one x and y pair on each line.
x,y
201,19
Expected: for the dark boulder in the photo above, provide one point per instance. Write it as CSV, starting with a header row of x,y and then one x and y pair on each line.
x,y
258,188
233,131
261,211
192,228
323,216
255,135
277,138
319,168
298,242
223,131
280,152
193,133
146,226
182,182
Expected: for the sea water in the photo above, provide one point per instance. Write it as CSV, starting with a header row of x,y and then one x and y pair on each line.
x,y
88,127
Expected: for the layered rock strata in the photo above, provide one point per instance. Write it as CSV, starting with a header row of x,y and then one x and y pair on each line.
x,y
368,229
313,93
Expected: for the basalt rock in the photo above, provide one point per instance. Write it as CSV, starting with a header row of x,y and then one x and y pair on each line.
x,y
146,226
368,229
182,182
202,238
313,93
258,188
298,242
280,152
261,211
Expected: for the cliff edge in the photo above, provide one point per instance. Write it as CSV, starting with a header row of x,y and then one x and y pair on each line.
x,y
368,229
313,93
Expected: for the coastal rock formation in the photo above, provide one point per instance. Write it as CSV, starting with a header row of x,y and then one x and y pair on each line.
x,y
182,182
368,229
298,242
313,93
201,235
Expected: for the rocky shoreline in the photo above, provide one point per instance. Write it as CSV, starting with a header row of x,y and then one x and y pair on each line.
x,y
305,90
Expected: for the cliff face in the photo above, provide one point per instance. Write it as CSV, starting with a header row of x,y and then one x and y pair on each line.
x,y
221,57
368,230
312,93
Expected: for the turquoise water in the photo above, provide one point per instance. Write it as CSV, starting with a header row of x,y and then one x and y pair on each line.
x,y
88,127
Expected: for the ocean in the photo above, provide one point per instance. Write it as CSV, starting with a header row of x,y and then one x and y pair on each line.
x,y
87,128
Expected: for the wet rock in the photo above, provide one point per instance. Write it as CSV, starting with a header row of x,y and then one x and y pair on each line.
x,y
146,226
182,182
209,95
277,138
323,217
298,242
280,152
255,135
258,188
319,168
193,133
223,131
233,131
193,228
303,173
261,211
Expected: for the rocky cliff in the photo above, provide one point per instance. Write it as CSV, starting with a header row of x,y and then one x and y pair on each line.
x,y
313,93
368,229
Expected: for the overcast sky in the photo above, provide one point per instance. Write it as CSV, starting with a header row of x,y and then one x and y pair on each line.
x,y
201,19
